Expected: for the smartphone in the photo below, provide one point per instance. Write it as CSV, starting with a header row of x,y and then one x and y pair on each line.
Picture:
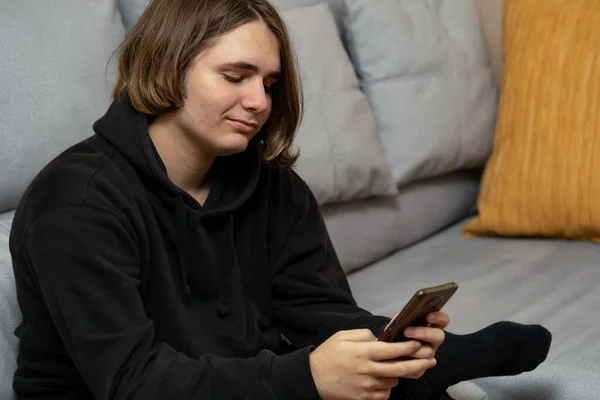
x,y
423,302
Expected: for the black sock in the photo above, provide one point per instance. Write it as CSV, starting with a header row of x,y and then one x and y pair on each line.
x,y
504,348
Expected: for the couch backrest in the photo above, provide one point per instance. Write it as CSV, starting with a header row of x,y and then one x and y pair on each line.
x,y
54,81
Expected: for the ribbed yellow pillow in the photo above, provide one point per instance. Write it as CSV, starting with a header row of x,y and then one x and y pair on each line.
x,y
543,177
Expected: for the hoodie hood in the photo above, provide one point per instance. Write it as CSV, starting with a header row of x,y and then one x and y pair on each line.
x,y
233,179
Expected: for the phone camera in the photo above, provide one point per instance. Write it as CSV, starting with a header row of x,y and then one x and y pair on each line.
x,y
433,304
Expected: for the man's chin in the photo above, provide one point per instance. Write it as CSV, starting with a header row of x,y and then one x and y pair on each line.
x,y
232,148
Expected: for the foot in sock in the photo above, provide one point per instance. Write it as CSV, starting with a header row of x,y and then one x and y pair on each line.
x,y
504,348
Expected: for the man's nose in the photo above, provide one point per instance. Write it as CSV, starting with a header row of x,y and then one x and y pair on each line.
x,y
256,98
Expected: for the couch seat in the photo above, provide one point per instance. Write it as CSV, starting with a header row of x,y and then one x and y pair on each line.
x,y
551,282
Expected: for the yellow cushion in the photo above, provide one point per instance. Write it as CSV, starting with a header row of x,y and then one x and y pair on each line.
x,y
543,177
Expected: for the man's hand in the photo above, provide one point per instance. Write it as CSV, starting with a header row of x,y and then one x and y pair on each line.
x,y
352,364
433,335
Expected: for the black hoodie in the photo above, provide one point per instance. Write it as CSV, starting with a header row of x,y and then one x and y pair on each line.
x,y
131,290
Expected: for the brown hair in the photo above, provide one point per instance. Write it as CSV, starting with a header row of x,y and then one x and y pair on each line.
x,y
157,53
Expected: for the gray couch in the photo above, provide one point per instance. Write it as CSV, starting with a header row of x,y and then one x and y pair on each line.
x,y
401,99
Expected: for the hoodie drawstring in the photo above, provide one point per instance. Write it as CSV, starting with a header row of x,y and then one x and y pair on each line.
x,y
183,246
227,255
226,271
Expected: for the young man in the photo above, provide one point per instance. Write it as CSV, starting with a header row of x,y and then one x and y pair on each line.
x,y
175,253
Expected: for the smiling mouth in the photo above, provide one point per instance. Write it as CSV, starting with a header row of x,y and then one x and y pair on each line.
x,y
243,126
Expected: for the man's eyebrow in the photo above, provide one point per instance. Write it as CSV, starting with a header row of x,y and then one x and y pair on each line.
x,y
251,67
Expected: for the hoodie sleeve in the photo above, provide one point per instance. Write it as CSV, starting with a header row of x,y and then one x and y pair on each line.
x,y
85,263
311,294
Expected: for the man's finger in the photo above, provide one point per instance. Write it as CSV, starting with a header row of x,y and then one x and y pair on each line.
x,y
400,369
380,351
439,319
424,352
435,336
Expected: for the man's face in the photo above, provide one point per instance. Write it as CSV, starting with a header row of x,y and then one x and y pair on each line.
x,y
227,90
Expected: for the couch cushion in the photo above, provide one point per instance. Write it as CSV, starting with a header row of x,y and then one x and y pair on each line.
x,y
491,15
384,225
9,311
54,81
131,10
555,283
425,70
543,177
334,5
341,157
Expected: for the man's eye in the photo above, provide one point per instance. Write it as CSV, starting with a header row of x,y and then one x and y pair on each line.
x,y
270,88
233,79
